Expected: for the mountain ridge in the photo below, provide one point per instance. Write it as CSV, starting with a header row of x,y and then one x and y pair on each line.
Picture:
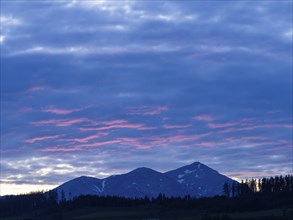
x,y
196,180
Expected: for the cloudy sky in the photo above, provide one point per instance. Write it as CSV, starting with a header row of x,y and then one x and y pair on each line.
x,y
102,87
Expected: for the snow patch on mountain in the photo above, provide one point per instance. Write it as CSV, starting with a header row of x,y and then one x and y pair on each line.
x,y
180,181
186,172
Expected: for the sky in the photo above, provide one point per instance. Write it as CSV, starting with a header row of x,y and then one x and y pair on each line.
x,y
99,88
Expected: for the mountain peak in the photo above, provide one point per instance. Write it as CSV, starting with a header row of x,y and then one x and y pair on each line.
x,y
84,177
142,170
200,179
196,164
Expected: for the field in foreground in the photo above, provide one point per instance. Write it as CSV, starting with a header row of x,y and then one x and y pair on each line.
x,y
147,213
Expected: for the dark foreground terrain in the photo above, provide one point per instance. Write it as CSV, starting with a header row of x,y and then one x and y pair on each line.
x,y
146,213
255,200
251,207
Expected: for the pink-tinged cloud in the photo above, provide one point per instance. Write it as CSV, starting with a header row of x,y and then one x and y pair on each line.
x,y
147,110
36,88
150,142
222,125
245,138
98,144
127,126
86,139
33,140
176,126
137,143
114,122
58,111
60,149
265,126
207,118
118,124
253,127
167,141
60,122
79,147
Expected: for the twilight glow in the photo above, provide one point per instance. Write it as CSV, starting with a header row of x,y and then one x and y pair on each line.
x,y
102,87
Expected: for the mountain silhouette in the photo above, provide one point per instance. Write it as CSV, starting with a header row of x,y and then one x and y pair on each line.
x,y
196,180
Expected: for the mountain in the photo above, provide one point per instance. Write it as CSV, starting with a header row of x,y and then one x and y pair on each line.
x,y
142,181
83,185
200,180
196,180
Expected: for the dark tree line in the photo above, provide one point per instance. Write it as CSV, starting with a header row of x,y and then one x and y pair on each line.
x,y
277,184
266,193
32,202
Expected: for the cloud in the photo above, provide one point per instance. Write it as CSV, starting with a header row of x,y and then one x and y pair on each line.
x,y
222,125
9,21
119,126
207,118
77,50
60,122
288,34
254,127
114,122
88,138
79,147
8,24
2,38
36,88
176,126
147,110
59,111
33,140
246,138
